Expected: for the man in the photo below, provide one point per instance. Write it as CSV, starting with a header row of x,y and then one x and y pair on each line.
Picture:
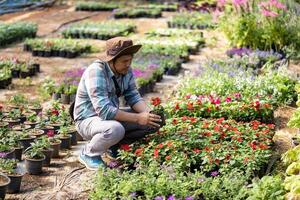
x,y
96,112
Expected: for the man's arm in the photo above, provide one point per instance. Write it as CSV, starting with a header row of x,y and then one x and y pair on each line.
x,y
141,106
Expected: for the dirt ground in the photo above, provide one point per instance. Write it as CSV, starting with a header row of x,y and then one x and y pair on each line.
x,y
65,178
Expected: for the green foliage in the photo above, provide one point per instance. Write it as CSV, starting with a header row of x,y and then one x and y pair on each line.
x,y
292,155
269,187
8,166
34,152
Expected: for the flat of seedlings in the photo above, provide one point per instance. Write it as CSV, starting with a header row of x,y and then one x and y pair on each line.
x,y
48,19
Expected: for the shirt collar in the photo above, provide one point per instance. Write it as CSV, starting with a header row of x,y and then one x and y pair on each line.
x,y
110,72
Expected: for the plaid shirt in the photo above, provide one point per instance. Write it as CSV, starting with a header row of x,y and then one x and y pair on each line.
x,y
96,93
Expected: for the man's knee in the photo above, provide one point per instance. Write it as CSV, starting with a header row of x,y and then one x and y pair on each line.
x,y
116,130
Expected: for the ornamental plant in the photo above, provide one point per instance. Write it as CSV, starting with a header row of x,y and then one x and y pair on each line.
x,y
189,143
8,166
158,109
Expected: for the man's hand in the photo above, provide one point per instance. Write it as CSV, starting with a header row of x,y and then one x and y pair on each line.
x,y
146,118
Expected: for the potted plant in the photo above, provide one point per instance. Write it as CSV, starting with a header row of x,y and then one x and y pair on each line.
x,y
72,131
8,167
31,120
17,101
65,95
4,182
158,109
36,132
36,107
34,158
54,143
6,150
26,139
21,127
43,125
65,137
13,117
44,144
14,137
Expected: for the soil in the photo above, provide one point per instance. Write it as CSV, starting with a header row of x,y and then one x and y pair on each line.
x,y
3,180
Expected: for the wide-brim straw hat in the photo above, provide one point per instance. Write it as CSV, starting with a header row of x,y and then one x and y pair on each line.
x,y
119,46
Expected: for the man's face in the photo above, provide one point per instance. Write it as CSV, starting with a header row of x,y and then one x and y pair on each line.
x,y
123,63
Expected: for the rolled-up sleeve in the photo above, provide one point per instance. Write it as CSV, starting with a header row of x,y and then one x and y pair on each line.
x,y
132,96
98,93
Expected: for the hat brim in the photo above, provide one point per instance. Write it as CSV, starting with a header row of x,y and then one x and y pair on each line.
x,y
126,51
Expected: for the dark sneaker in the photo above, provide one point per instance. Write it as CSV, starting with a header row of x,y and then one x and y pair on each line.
x,y
113,151
92,163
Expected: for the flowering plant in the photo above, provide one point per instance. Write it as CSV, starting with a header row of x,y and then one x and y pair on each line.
x,y
158,109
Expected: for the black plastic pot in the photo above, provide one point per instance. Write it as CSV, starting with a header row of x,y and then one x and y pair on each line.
x,y
47,128
34,166
11,122
4,182
72,98
55,53
56,148
55,96
18,153
73,138
47,53
65,99
35,53
10,154
15,73
24,74
15,183
162,117
25,143
36,110
36,66
40,53
65,142
62,54
48,155
70,54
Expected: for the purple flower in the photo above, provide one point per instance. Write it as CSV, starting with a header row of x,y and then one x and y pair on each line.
x,y
153,66
133,194
159,198
113,164
3,154
172,197
214,173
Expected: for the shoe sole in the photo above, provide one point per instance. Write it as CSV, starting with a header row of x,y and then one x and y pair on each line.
x,y
82,162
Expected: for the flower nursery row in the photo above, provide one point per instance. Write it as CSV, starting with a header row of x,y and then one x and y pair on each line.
x,y
102,31
27,131
108,6
136,13
10,33
14,68
191,20
217,138
69,48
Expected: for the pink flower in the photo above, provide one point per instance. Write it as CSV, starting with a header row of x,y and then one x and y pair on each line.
x,y
239,2
228,99
221,3
217,101
269,13
237,95
277,4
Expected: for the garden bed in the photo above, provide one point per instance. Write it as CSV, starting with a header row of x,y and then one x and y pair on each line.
x,y
137,13
96,6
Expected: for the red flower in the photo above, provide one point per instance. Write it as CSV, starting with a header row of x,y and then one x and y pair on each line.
x,y
263,146
188,96
184,118
228,157
125,147
168,157
156,152
155,101
217,161
138,151
217,128
177,106
55,112
237,95
208,109
253,145
174,121
239,139
205,125
219,121
193,119
1,107
196,150
160,146
190,106
50,133
271,126
207,149
207,134
257,105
